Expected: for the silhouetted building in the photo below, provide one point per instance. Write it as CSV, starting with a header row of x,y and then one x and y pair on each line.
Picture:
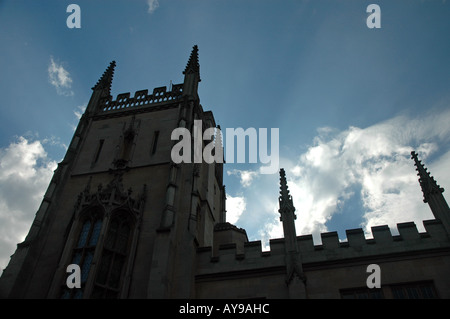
x,y
141,226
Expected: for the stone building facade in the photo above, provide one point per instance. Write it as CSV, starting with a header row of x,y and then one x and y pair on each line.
x,y
141,226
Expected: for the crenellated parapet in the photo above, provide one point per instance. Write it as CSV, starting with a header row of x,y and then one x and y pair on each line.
x,y
141,98
332,251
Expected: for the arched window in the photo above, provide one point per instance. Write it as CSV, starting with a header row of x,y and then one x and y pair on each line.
x,y
83,252
114,256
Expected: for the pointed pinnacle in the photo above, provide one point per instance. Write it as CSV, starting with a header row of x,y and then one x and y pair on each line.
x,y
427,182
219,136
106,79
284,192
193,66
285,198
420,168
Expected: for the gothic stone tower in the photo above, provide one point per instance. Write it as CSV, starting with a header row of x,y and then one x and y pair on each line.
x,y
119,207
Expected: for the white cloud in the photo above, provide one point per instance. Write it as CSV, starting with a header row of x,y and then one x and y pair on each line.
x,y
59,78
25,172
152,5
235,207
377,160
370,165
246,176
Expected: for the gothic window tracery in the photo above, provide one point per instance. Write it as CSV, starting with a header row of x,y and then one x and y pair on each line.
x,y
114,256
83,252
104,239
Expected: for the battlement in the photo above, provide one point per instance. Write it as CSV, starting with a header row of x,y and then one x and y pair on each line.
x,y
383,245
142,98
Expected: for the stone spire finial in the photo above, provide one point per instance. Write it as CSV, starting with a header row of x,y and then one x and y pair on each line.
x,y
293,258
285,198
427,182
287,215
193,66
219,144
104,83
192,76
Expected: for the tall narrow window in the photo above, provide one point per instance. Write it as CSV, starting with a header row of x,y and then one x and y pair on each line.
x,y
99,149
83,252
155,142
114,255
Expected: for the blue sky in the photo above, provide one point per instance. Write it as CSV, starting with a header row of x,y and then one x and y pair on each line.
x,y
350,102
